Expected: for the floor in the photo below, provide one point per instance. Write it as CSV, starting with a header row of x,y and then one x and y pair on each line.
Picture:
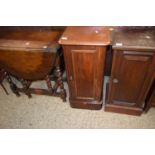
x,y
50,112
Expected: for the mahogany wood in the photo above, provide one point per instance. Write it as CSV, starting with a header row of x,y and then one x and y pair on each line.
x,y
29,56
88,57
86,35
84,53
132,71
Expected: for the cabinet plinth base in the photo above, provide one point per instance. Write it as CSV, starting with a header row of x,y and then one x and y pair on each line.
x,y
81,104
123,109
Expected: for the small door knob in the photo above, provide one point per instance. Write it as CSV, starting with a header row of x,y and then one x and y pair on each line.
x,y
70,78
115,80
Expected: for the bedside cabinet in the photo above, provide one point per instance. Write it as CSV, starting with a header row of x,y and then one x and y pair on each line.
x,y
84,53
132,71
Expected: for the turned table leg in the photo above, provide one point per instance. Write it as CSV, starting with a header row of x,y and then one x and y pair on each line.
x,y
49,85
12,85
26,85
60,83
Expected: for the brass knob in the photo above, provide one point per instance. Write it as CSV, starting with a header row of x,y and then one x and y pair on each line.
x,y
115,80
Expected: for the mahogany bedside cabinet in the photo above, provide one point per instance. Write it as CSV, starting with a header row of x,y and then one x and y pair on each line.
x,y
84,52
132,72
32,55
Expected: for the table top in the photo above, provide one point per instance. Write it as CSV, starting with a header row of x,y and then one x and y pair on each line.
x,y
17,40
85,35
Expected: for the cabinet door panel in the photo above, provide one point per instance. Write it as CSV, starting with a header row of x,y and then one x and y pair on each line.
x,y
84,62
130,69
85,66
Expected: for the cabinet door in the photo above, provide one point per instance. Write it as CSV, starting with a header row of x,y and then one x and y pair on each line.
x,y
85,65
131,77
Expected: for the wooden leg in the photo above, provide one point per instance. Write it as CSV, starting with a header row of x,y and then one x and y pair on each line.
x,y
55,87
49,85
60,83
26,85
12,85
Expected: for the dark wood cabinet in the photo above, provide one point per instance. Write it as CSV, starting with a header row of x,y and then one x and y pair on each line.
x,y
84,53
129,80
85,66
131,76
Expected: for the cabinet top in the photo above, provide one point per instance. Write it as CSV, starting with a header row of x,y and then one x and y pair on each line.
x,y
85,35
134,39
